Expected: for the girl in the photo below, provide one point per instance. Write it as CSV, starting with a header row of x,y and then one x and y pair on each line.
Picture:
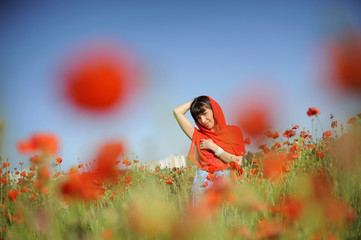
x,y
214,144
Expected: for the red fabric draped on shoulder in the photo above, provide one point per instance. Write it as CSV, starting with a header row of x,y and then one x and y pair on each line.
x,y
229,138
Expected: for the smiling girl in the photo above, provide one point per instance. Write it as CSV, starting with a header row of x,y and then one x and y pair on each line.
x,y
214,144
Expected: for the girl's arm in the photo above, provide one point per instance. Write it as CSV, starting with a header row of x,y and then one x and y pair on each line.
x,y
183,122
225,156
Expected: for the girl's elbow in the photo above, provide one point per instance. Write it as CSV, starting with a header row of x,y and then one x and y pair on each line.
x,y
175,112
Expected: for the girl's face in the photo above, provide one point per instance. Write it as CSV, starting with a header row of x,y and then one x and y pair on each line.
x,y
206,119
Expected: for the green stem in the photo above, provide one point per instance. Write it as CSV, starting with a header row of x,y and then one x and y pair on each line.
x,y
319,121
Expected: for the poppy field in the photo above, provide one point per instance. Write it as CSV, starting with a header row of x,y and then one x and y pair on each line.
x,y
295,187
298,184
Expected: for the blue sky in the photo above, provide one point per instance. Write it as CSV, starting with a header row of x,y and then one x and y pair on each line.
x,y
221,49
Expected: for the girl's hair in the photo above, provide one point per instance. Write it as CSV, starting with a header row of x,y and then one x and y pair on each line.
x,y
199,106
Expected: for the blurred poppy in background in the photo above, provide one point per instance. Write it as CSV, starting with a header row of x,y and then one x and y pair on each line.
x,y
100,77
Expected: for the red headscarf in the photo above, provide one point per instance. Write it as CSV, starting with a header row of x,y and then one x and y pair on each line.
x,y
229,138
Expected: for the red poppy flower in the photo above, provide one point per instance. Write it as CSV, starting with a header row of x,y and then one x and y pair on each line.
x,y
295,147
303,134
275,135
289,133
255,121
334,124
296,127
45,142
6,164
210,177
327,134
313,111
277,145
345,62
292,209
234,165
320,155
59,160
274,166
79,187
13,194
100,77
126,162
169,181
35,160
263,146
105,162
31,174
25,147
269,230
25,189
127,180
269,134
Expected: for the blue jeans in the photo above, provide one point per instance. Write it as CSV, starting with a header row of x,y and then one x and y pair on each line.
x,y
200,178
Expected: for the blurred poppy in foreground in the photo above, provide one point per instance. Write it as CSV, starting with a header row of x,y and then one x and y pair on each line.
x,y
221,191
255,121
79,187
256,109
352,121
291,208
46,143
100,77
345,65
274,166
105,163
13,194
269,229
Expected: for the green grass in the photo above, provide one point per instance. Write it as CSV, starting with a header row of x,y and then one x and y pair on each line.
x,y
147,208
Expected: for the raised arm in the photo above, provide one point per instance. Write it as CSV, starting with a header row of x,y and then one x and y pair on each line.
x,y
183,122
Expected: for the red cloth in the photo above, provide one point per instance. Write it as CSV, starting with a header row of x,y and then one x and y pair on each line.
x,y
229,138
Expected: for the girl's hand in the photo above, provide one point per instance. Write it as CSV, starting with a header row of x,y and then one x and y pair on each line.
x,y
208,144
239,161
